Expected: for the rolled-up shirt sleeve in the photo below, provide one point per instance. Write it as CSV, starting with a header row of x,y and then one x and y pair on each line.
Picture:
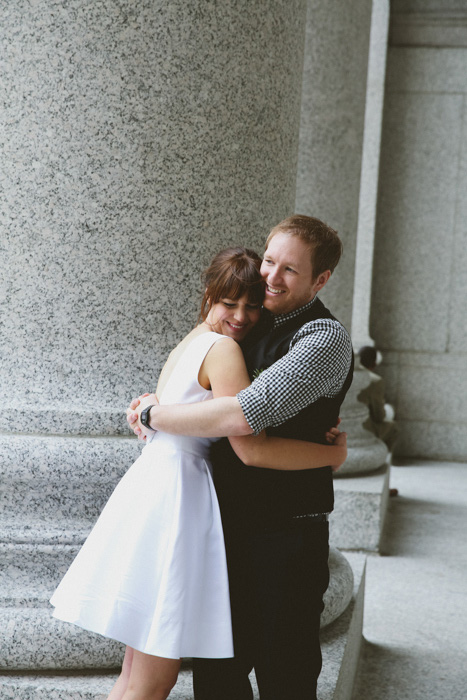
x,y
316,365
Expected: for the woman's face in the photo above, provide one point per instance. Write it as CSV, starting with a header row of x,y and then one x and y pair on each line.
x,y
234,318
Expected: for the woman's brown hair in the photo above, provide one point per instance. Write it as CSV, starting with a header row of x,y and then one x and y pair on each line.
x,y
232,273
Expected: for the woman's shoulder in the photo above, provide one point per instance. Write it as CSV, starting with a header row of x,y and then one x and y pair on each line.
x,y
223,348
211,338
208,343
222,355
225,341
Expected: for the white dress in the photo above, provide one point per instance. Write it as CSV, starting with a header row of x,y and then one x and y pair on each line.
x,y
152,573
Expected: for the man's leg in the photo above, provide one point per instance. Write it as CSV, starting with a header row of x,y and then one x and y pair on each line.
x,y
227,679
221,679
291,576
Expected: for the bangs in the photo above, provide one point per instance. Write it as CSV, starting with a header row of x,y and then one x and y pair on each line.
x,y
232,274
237,283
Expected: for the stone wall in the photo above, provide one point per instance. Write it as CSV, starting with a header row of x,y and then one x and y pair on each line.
x,y
420,267
331,130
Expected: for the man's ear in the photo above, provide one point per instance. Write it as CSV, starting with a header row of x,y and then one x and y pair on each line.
x,y
321,280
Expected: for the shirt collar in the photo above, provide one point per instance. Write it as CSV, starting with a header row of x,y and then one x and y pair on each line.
x,y
280,319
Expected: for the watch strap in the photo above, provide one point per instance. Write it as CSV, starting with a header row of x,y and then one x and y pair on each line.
x,y
144,417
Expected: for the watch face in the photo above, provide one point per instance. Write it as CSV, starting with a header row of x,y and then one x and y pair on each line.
x,y
145,417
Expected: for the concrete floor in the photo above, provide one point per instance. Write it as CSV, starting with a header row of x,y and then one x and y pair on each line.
x,y
415,620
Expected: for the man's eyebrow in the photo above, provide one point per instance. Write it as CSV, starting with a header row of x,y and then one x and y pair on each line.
x,y
295,264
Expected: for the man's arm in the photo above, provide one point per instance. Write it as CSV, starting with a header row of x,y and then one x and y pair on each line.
x,y
259,451
219,417
216,418
316,365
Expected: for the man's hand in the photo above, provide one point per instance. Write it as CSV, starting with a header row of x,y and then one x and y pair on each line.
x,y
333,433
340,441
133,413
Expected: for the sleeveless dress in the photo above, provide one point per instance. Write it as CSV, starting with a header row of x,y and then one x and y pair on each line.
x,y
152,573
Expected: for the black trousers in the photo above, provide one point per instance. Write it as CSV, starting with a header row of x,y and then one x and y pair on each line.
x,y
277,581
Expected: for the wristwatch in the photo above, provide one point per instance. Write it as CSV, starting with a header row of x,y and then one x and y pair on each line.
x,y
144,417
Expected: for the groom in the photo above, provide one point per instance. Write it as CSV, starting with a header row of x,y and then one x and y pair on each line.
x,y
275,522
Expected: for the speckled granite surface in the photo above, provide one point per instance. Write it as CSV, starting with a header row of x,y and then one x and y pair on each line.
x,y
341,584
340,645
331,130
89,687
85,687
139,138
360,510
51,481
33,639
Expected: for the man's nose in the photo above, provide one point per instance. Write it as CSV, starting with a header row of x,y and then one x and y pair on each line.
x,y
274,276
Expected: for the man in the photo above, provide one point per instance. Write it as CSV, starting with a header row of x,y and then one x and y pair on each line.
x,y
275,523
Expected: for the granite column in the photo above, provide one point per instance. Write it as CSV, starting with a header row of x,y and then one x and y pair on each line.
x,y
139,138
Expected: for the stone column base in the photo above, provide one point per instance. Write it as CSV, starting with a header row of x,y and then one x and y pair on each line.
x,y
360,510
340,642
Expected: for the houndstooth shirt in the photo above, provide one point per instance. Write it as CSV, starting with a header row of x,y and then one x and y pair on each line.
x,y
316,365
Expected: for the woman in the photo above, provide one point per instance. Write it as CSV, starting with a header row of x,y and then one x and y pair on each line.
x,y
152,573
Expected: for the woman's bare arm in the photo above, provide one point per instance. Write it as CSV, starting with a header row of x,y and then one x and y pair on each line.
x,y
225,367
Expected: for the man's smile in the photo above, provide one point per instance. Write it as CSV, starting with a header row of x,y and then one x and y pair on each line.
x,y
272,290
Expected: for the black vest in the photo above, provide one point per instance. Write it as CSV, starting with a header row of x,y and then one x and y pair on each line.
x,y
252,497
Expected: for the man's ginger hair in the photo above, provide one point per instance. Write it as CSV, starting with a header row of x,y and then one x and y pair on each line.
x,y
324,243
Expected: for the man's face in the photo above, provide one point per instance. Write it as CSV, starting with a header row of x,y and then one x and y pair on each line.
x,y
287,271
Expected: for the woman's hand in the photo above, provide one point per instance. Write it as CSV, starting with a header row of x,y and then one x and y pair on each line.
x,y
133,414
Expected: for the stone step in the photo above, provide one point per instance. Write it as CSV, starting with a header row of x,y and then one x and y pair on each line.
x,y
60,477
360,507
32,638
44,533
341,642
30,572
86,687
35,456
